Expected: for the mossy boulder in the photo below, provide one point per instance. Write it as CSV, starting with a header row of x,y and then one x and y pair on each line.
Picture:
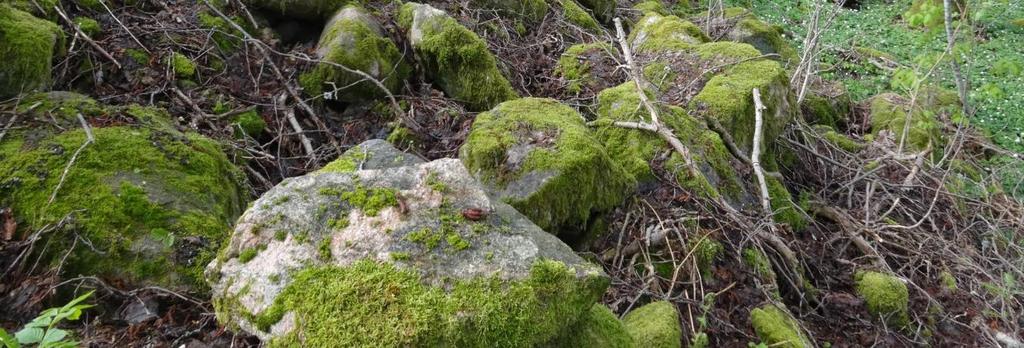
x,y
603,10
597,328
300,9
655,325
891,112
143,204
635,149
354,39
576,64
577,15
766,38
530,11
886,296
39,8
538,156
656,33
831,110
455,58
27,47
777,328
417,255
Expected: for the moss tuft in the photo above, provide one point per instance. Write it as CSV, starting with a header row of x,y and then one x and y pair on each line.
x,y
249,123
27,48
88,25
655,325
597,328
726,49
766,38
776,328
705,250
657,33
574,66
376,304
521,140
889,112
885,296
371,201
457,58
578,16
182,66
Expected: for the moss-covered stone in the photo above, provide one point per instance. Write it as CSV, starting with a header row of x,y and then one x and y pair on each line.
x,y
655,325
654,6
455,57
574,65
657,33
825,111
603,10
301,9
885,295
727,50
890,112
540,157
597,328
39,8
27,47
353,39
777,328
841,140
766,38
727,98
575,14
153,204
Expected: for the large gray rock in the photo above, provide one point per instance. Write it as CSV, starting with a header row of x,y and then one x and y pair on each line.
x,y
487,272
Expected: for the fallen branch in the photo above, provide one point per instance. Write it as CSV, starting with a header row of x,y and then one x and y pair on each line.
x,y
85,37
755,154
89,139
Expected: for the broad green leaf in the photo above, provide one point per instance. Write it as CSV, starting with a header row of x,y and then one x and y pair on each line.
x,y
30,335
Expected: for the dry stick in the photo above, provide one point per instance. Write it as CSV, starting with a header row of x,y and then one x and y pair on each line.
x,y
8,126
292,90
89,139
755,154
289,114
202,114
85,37
961,83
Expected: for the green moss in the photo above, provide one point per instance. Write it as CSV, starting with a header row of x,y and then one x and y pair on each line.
x,y
457,59
139,56
323,249
249,123
280,235
885,295
726,49
402,137
39,8
841,140
654,6
603,10
657,33
134,194
182,66
574,65
760,264
315,10
27,48
425,236
338,224
776,328
225,35
348,162
88,25
400,256
766,38
948,280
370,304
786,211
889,112
705,250
578,16
354,41
371,201
727,98
655,325
585,179
249,253
457,242
599,327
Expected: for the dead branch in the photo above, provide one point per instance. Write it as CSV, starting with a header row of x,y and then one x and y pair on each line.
x,y
755,154
80,33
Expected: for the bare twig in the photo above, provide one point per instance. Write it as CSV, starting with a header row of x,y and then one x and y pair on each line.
x,y
755,154
85,37
88,140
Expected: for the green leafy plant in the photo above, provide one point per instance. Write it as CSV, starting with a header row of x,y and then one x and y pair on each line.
x,y
43,332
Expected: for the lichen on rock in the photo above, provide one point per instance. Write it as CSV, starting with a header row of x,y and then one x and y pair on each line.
x,y
153,204
777,328
885,295
27,47
353,39
342,262
654,325
455,58
539,157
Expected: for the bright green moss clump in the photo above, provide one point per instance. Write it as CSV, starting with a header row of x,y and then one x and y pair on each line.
x,y
531,11
633,148
776,328
225,35
574,65
657,33
250,123
88,25
371,304
885,296
182,66
27,47
354,40
597,328
889,112
546,163
371,201
655,325
726,49
578,16
603,10
139,195
705,250
457,58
